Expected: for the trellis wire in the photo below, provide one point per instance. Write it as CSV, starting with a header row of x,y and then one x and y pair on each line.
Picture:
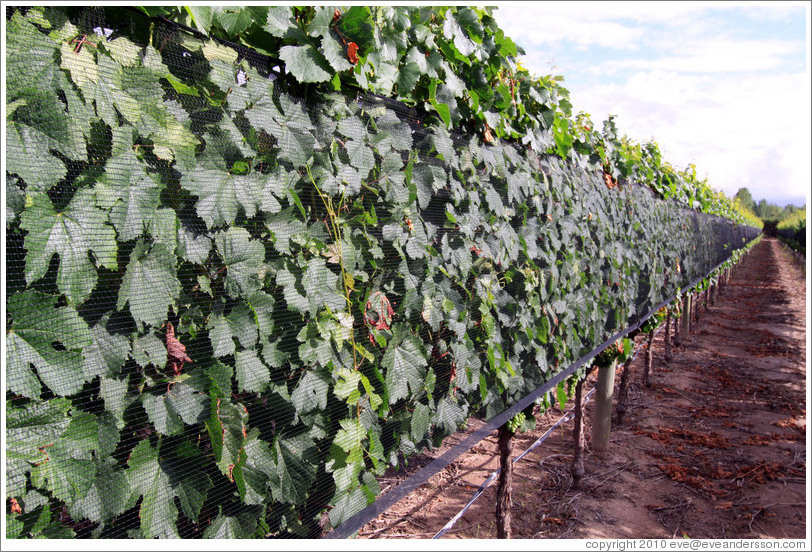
x,y
354,523
565,418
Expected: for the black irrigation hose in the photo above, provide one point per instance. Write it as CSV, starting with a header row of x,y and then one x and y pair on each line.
x,y
357,521
565,418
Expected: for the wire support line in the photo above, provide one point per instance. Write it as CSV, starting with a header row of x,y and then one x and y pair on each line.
x,y
565,418
355,522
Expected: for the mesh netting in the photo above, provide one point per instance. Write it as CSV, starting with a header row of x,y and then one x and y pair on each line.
x,y
233,302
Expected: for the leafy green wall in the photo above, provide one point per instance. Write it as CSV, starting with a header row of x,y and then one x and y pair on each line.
x,y
230,308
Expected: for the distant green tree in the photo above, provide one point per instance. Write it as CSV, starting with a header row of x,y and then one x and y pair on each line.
x,y
746,199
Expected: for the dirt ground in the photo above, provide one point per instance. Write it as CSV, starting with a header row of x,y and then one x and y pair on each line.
x,y
714,448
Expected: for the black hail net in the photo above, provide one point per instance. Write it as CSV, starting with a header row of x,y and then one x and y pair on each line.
x,y
116,404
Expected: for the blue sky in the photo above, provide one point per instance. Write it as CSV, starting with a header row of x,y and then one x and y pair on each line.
x,y
724,85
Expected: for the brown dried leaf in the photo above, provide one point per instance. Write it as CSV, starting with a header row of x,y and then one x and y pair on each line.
x,y
175,351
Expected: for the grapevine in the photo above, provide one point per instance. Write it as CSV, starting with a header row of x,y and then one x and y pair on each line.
x,y
234,301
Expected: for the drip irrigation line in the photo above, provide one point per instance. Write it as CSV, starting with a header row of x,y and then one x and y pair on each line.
x,y
355,522
565,418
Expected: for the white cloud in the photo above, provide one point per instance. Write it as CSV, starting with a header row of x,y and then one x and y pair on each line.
x,y
699,78
731,128
711,55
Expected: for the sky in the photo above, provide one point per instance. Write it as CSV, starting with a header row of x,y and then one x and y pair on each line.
x,y
723,85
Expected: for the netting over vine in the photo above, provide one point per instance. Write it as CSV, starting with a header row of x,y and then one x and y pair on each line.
x,y
231,304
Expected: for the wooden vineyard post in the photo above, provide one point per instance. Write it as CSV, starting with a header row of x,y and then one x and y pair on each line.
x,y
579,439
623,392
685,319
713,293
649,358
503,498
668,336
695,306
677,325
602,422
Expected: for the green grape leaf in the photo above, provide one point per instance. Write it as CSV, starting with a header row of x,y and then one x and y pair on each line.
x,y
306,63
181,404
296,466
408,76
15,199
30,55
72,234
290,126
107,497
150,284
66,477
233,21
106,354
37,326
148,479
334,53
311,392
81,65
240,526
449,415
227,431
131,194
243,259
123,51
251,373
212,50
280,21
421,421
361,156
37,426
28,157
405,364
221,194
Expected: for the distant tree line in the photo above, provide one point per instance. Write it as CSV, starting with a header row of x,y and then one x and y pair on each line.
x,y
765,210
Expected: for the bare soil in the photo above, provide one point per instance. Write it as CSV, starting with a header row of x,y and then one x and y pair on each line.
x,y
714,448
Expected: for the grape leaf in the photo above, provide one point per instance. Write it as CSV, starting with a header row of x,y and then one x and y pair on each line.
x,y
72,234
241,323
311,392
421,421
107,352
405,363
147,478
107,497
30,56
221,194
296,465
243,258
81,65
239,526
407,78
131,194
37,326
233,21
66,477
251,373
280,21
227,431
28,157
290,125
123,51
306,63
37,426
182,403
150,285
334,53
